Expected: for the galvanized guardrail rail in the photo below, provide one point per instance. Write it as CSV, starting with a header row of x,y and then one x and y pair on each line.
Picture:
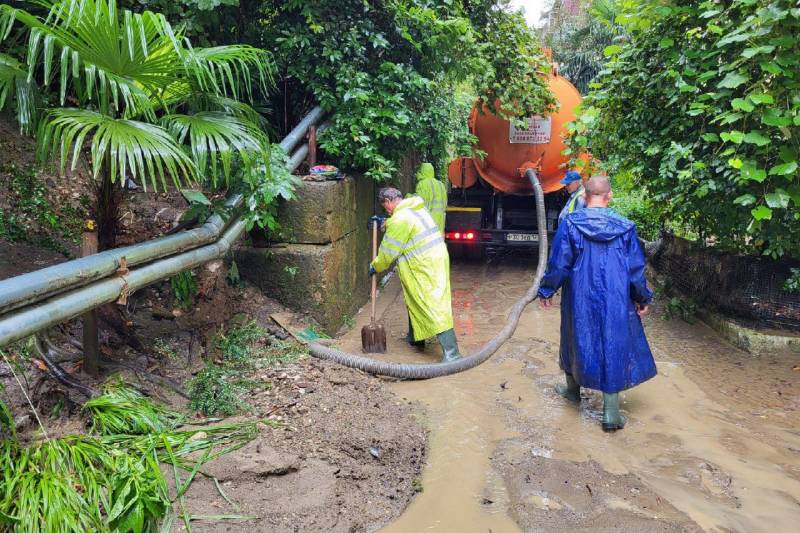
x,y
37,300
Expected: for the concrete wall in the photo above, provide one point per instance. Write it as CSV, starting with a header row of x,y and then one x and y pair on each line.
x,y
321,268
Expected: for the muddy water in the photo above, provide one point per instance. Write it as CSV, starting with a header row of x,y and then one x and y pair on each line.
x,y
707,444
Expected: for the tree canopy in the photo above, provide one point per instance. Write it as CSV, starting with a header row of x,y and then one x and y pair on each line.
x,y
701,105
400,75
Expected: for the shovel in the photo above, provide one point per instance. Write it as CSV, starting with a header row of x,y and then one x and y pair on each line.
x,y
373,337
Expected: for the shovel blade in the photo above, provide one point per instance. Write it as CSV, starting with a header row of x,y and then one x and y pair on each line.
x,y
373,339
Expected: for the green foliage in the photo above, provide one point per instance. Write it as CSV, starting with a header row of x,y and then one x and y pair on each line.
x,y
291,270
637,206
123,410
201,208
233,278
218,389
184,287
211,393
509,80
31,217
206,21
7,425
580,43
792,283
683,308
134,79
393,72
263,185
238,345
702,105
111,482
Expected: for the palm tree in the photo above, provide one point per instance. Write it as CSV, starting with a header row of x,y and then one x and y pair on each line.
x,y
146,104
578,41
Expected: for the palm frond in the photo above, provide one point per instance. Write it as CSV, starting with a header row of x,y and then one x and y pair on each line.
x,y
143,150
229,106
214,136
14,83
230,70
109,57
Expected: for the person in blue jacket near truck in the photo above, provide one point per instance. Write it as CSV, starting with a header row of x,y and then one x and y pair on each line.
x,y
598,263
574,185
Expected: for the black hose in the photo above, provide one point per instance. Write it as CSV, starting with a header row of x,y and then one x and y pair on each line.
x,y
435,370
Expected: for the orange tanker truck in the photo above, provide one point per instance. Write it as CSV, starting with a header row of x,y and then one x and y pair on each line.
x,y
490,205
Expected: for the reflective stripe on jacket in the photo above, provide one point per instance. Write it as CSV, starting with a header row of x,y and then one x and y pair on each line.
x,y
576,201
414,240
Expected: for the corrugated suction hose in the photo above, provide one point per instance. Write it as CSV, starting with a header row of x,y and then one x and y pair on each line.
x,y
435,370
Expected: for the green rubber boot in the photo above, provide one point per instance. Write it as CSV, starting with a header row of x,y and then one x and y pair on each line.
x,y
612,419
449,345
571,391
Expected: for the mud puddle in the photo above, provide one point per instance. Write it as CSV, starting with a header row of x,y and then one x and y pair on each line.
x,y
712,443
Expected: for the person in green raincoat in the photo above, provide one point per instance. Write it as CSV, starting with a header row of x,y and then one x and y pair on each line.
x,y
413,239
433,192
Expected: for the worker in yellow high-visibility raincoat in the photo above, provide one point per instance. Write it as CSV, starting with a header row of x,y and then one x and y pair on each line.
x,y
413,239
433,192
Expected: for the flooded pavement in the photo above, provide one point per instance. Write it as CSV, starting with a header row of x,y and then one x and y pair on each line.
x,y
712,443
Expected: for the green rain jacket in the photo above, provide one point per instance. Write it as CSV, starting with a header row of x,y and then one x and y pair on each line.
x,y
434,192
415,242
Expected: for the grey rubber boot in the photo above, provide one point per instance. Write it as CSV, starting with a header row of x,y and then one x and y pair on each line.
x,y
571,391
612,419
449,345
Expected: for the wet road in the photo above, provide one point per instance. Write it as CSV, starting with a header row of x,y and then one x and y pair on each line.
x,y
712,443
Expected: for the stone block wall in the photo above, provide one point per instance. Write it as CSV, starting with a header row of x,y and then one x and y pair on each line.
x,y
321,268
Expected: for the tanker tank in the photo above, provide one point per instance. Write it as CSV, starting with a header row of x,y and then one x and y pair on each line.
x,y
489,204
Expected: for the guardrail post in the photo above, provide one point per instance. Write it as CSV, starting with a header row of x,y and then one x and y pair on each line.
x,y
91,340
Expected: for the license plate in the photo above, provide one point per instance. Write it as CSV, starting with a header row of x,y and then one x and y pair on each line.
x,y
522,237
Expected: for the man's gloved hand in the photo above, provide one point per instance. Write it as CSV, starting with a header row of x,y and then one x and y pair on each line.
x,y
376,219
371,272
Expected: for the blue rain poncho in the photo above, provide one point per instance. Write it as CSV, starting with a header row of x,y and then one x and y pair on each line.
x,y
597,261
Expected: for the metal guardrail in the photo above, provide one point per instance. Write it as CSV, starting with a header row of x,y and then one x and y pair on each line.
x,y
42,298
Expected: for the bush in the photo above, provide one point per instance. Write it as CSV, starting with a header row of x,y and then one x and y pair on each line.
x,y
636,206
701,104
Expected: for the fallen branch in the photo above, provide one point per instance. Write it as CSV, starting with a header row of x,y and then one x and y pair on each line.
x,y
60,374
114,365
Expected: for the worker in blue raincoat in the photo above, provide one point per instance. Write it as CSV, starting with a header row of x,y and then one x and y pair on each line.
x,y
574,184
597,261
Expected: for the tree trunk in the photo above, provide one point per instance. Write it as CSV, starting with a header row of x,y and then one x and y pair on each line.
x,y
108,196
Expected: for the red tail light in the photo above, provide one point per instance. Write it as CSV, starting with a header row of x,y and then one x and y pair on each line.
x,y
461,236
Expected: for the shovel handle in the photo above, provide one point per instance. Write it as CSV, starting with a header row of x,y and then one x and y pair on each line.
x,y
374,277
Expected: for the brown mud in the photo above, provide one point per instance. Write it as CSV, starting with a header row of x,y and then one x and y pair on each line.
x,y
712,443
